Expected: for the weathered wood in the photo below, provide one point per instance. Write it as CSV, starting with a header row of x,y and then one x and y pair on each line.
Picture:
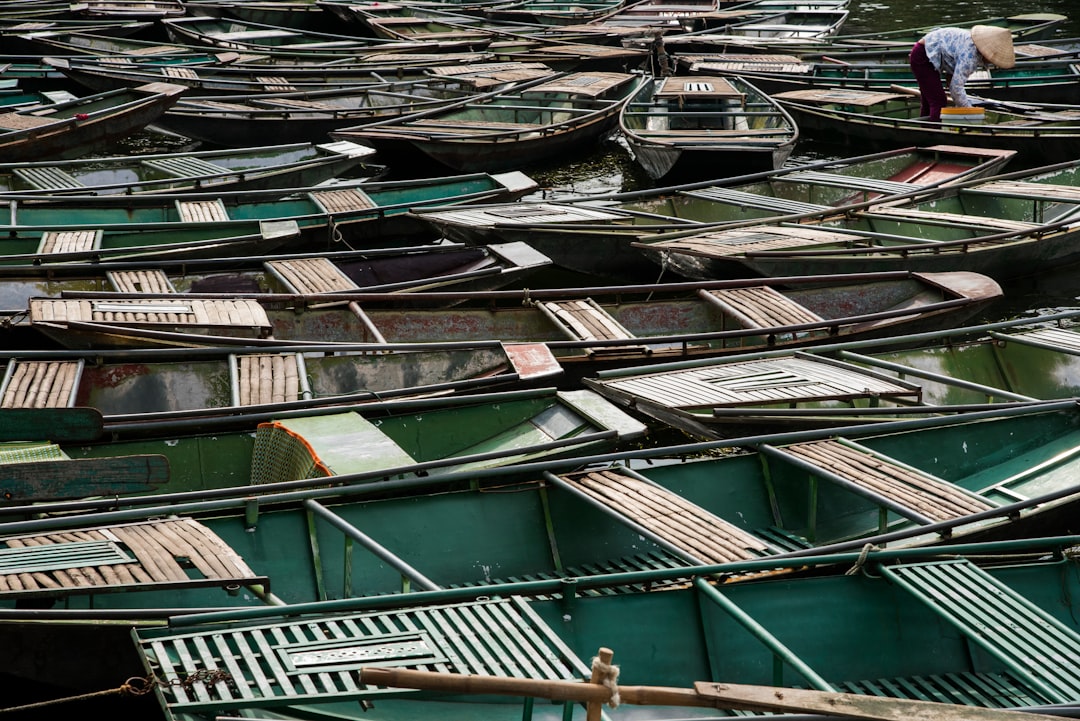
x,y
55,424
78,478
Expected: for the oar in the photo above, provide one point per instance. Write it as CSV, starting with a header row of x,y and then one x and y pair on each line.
x,y
704,694
983,102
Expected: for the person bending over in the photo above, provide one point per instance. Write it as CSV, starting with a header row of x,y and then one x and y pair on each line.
x,y
957,53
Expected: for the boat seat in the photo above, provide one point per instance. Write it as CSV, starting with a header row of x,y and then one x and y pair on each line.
x,y
950,219
907,491
1056,339
761,306
202,211
243,313
1043,652
172,553
47,178
584,319
54,242
687,529
757,200
1034,191
265,378
19,121
40,384
184,167
874,185
521,214
140,281
741,241
179,71
310,276
298,104
342,201
276,83
972,689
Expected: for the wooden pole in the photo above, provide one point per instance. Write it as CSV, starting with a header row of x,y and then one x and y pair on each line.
x,y
594,709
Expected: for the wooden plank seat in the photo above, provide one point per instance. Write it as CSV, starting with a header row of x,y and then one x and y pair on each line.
x,y
688,530
240,313
950,219
741,241
298,104
341,201
978,689
736,62
47,178
524,214
275,83
19,121
40,384
761,306
179,71
584,319
908,491
698,86
1033,645
308,276
54,242
140,281
149,555
435,126
1034,191
265,378
875,185
202,211
184,167
757,200
767,381
1057,339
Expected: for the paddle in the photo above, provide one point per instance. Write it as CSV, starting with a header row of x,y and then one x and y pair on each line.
x,y
70,425
980,102
704,694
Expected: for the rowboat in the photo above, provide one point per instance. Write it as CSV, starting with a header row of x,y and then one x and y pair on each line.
x,y
86,124
1039,133
528,124
433,267
301,14
691,127
551,12
593,234
128,9
1007,226
587,329
87,227
841,384
251,168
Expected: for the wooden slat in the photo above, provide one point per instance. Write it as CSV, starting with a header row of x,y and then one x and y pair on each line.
x,y
140,281
957,219
753,239
312,275
761,307
267,378
69,241
337,201
202,211
41,384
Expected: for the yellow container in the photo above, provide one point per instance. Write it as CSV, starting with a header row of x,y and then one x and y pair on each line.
x,y
963,116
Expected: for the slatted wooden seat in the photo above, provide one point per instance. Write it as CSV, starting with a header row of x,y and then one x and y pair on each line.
x,y
150,555
275,83
47,178
202,211
54,242
341,201
687,529
1034,191
184,167
733,62
875,185
1057,339
309,276
40,384
522,214
740,241
584,319
266,378
761,306
18,121
298,104
237,314
1033,645
951,219
179,71
140,281
908,491
783,206
979,689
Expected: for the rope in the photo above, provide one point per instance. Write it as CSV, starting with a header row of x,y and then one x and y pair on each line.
x,y
609,675
134,686
861,560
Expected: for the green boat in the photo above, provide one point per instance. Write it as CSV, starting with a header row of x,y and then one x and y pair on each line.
x,y
68,228
1006,226
593,234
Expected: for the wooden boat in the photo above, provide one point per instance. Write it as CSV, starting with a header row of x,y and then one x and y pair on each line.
x,y
86,124
1005,227
294,115
689,127
70,228
434,267
252,168
841,384
593,234
531,123
587,329
552,12
1039,134
301,14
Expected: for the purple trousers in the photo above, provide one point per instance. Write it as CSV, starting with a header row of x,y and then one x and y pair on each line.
x,y
929,79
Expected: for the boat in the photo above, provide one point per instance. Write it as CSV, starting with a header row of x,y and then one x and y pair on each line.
x,y
528,124
921,375
587,329
128,9
593,234
67,228
693,127
433,267
1040,134
1006,226
90,123
251,168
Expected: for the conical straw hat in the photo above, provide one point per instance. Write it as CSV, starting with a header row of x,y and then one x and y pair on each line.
x,y
995,44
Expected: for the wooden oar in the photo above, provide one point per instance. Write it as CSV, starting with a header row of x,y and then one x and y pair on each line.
x,y
71,425
704,694
36,481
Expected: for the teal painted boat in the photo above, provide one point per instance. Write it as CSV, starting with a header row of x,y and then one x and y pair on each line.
x,y
1007,226
593,234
